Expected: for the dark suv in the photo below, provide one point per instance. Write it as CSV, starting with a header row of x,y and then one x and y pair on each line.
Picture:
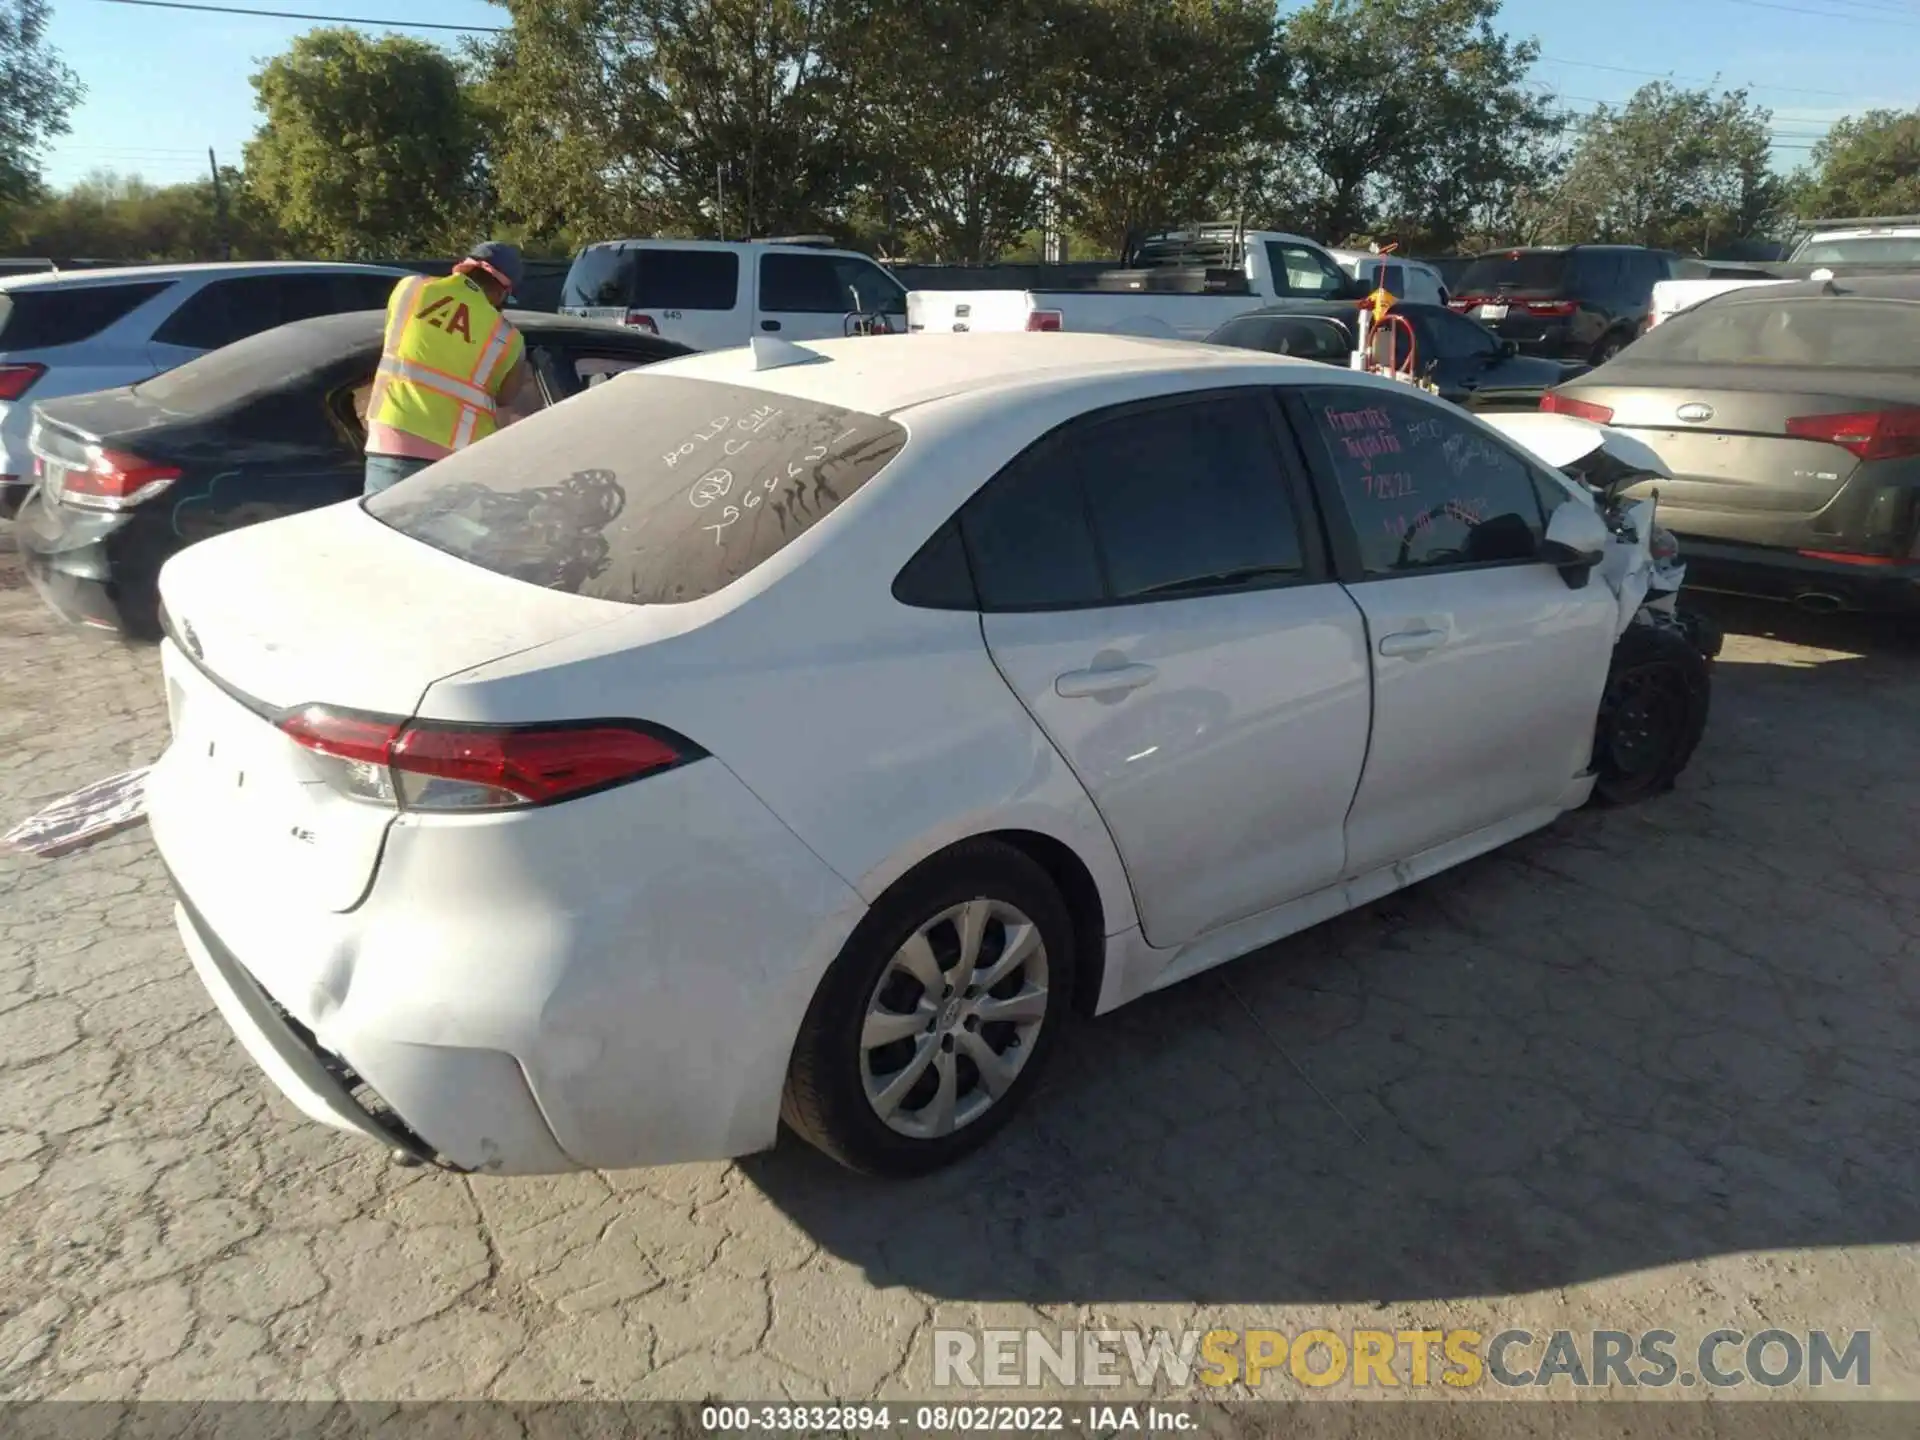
x,y
1581,303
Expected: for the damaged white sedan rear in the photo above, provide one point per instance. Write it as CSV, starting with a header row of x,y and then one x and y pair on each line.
x,y
806,734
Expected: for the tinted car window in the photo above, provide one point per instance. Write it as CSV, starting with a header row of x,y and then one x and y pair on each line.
x,y
1310,337
34,319
827,285
1454,336
1423,486
652,490
228,310
871,289
1174,499
361,292
1027,538
1810,332
687,280
1517,270
601,277
1186,497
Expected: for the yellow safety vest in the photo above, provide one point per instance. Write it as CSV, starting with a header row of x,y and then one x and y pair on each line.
x,y
447,353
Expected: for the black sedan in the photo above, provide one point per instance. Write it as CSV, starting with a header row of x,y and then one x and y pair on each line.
x,y
1471,365
267,427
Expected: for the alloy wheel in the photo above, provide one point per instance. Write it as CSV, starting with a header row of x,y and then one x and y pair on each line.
x,y
954,1018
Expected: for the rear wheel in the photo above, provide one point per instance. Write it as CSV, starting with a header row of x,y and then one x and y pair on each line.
x,y
1608,347
931,1027
1652,714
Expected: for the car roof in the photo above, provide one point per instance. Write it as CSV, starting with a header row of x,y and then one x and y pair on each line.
x,y
61,279
325,338
881,375
1904,286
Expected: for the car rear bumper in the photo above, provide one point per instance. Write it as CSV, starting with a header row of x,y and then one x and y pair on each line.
x,y
1810,580
76,570
612,982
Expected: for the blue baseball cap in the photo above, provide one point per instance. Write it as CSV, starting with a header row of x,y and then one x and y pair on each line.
x,y
498,259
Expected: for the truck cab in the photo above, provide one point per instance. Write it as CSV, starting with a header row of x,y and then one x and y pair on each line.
x,y
717,294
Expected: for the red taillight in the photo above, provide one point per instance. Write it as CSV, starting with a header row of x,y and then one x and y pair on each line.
x,y
635,320
16,380
1870,434
1551,307
449,767
1048,320
1842,557
1554,404
115,480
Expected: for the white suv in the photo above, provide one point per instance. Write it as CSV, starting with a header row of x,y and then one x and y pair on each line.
x,y
714,295
74,332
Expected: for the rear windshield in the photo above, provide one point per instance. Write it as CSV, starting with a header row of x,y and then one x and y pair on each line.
x,y
1309,337
1864,250
1527,270
649,490
37,318
652,279
277,357
1805,333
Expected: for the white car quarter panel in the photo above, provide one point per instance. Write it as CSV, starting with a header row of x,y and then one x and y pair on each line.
x,y
645,955
1487,711
1225,778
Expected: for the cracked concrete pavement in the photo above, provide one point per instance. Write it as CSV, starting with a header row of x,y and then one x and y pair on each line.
x,y
1652,1068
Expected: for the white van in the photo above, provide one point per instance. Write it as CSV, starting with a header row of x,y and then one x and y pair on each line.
x,y
716,294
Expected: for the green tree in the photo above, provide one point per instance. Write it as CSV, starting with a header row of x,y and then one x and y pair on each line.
x,y
617,116
1410,116
114,217
37,93
368,147
1672,167
1867,165
1162,109
952,147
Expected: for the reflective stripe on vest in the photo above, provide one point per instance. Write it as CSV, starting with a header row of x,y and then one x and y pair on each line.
x,y
447,353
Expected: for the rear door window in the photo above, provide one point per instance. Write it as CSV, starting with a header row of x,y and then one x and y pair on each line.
x,y
656,490
803,285
225,311
1155,503
38,319
653,278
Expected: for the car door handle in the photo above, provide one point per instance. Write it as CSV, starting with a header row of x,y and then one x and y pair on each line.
x,y
1412,642
1118,680
769,324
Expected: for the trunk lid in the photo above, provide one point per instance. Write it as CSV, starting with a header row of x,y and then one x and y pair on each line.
x,y
1725,436
332,608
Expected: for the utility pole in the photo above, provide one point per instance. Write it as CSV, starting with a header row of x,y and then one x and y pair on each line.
x,y
720,197
220,206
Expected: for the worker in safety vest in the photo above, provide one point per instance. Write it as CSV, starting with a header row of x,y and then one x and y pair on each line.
x,y
450,362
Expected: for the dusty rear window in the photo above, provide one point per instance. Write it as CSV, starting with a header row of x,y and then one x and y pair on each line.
x,y
1805,332
649,490
1516,269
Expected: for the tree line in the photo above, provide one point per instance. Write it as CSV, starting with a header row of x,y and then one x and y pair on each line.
x,y
945,130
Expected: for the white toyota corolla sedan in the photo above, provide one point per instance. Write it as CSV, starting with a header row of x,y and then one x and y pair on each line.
x,y
805,733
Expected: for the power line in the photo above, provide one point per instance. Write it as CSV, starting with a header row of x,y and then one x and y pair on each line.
x,y
1826,14
298,15
1698,79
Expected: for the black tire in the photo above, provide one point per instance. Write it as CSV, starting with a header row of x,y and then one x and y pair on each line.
x,y
1652,714
825,1101
1609,346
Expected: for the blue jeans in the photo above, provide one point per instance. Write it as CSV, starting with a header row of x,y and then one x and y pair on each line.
x,y
386,470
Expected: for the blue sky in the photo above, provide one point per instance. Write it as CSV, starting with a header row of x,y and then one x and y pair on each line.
x,y
164,85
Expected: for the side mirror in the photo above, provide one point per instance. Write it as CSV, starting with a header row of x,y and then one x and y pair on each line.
x,y
1576,542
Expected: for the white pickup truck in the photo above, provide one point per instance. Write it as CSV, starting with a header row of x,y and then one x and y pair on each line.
x,y
1864,245
1183,284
